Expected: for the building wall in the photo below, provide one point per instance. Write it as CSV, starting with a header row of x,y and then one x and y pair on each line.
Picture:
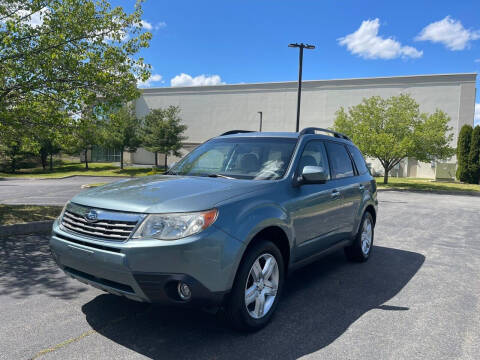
x,y
210,110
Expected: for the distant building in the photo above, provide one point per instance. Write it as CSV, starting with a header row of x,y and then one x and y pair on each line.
x,y
211,110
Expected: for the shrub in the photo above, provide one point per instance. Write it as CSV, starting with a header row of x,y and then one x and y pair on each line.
x,y
463,152
474,156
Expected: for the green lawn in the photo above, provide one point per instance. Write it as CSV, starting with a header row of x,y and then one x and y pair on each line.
x,y
17,214
69,169
425,185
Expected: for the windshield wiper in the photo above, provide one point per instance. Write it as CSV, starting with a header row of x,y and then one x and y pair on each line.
x,y
220,176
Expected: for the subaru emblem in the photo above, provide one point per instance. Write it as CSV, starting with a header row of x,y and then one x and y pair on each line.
x,y
91,215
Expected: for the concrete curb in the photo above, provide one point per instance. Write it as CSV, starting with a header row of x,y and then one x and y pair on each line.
x,y
438,192
38,227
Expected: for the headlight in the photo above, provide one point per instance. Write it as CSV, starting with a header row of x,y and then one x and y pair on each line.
x,y
175,226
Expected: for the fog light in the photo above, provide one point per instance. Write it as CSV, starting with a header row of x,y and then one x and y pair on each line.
x,y
184,291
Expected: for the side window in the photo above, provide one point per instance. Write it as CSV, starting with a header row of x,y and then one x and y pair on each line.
x,y
340,162
358,159
314,155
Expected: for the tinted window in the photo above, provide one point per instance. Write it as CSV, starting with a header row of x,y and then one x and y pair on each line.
x,y
340,162
359,160
314,155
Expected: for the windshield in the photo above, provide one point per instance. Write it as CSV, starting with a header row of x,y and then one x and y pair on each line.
x,y
241,158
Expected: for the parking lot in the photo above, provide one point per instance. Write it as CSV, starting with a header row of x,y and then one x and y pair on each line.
x,y
417,297
46,191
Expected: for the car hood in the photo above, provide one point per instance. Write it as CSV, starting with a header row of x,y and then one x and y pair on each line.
x,y
164,193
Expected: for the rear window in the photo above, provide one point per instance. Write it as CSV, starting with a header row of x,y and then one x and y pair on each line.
x,y
340,161
358,159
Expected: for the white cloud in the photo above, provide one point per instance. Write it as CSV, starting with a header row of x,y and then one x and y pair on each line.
x,y
366,43
200,80
154,78
477,114
448,32
149,26
160,25
146,25
34,20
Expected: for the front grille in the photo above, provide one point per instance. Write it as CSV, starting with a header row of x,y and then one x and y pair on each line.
x,y
110,225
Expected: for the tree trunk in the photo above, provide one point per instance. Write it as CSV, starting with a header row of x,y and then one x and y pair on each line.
x,y
156,159
51,162
121,159
385,177
86,159
13,164
43,159
165,161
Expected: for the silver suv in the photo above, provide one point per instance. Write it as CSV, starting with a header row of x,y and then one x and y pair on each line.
x,y
225,224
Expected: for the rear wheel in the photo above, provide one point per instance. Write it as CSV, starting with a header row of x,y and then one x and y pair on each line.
x,y
362,245
257,287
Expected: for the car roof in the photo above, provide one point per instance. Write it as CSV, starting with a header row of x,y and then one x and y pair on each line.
x,y
290,135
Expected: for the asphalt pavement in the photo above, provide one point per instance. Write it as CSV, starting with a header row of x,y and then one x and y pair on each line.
x,y
16,191
418,297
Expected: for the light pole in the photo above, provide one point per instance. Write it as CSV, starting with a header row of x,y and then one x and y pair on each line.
x,y
261,118
301,46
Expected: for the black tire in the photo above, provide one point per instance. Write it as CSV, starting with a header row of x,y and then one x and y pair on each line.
x,y
354,252
236,309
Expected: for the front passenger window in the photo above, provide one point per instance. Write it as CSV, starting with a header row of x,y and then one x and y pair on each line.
x,y
314,155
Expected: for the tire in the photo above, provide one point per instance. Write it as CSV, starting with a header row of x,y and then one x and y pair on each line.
x,y
248,317
361,248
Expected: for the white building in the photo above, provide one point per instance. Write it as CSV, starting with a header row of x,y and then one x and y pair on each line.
x,y
211,110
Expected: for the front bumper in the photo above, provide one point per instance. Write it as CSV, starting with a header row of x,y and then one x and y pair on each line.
x,y
149,270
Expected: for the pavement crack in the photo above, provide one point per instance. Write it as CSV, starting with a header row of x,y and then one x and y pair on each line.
x,y
85,334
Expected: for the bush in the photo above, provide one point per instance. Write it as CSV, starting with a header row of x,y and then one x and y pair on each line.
x,y
463,152
474,156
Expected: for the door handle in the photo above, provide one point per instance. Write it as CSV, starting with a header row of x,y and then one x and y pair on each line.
x,y
361,187
335,193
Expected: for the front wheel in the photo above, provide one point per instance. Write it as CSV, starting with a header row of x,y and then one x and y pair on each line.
x,y
257,287
361,248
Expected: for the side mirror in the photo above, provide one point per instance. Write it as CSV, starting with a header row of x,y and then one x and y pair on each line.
x,y
313,175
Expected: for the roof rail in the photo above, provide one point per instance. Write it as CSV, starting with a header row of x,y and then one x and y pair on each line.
x,y
231,132
311,130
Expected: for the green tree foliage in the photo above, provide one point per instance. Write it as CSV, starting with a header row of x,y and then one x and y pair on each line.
x,y
474,156
162,132
463,151
122,131
86,133
14,146
73,52
66,55
392,129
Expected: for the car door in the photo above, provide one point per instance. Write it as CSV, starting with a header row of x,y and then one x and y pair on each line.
x,y
314,207
344,181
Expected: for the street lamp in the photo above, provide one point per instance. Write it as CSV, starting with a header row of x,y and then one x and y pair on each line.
x,y
301,46
261,118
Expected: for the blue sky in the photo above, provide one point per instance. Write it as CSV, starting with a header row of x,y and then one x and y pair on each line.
x,y
232,41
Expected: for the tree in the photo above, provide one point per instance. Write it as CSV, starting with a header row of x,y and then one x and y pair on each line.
x,y
14,145
122,131
474,156
162,132
73,52
392,129
86,132
463,151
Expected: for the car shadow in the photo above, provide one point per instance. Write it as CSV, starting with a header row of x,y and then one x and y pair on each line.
x,y
27,268
319,303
